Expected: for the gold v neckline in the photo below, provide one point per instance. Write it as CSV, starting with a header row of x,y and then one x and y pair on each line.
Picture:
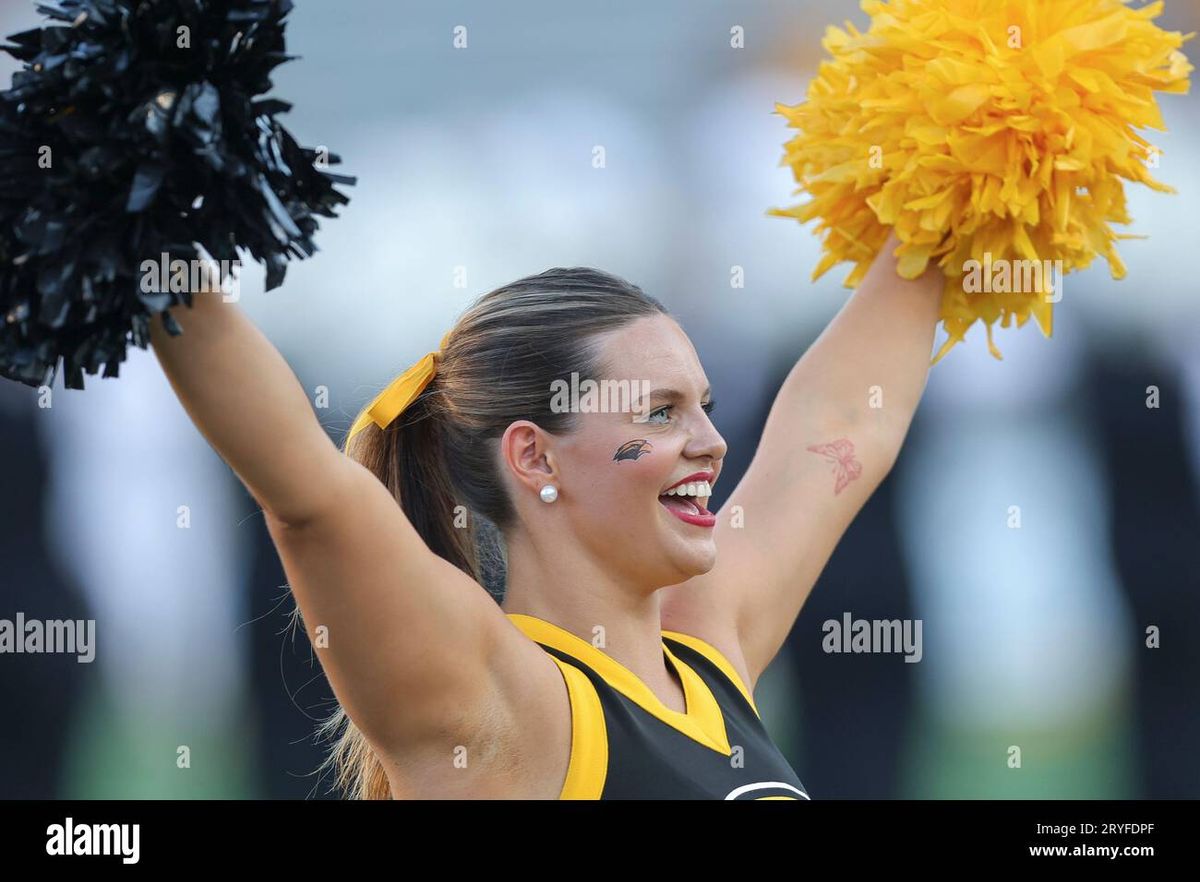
x,y
701,721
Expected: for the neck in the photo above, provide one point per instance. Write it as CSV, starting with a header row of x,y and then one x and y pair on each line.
x,y
579,594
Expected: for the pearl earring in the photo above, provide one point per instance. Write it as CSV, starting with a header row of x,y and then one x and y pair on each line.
x,y
549,493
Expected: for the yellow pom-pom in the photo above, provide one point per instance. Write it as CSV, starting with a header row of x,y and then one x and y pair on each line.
x,y
993,135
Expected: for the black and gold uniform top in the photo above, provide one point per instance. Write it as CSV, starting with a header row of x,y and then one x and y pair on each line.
x,y
627,744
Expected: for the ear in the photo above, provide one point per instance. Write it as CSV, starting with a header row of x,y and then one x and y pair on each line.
x,y
526,452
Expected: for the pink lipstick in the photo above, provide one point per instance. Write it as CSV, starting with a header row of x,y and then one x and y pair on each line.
x,y
689,509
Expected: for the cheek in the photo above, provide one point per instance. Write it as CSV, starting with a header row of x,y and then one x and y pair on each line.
x,y
637,468
634,450
624,471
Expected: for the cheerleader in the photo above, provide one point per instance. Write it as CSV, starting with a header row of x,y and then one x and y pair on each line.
x,y
622,659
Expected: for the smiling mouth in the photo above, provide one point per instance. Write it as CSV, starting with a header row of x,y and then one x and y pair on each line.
x,y
685,503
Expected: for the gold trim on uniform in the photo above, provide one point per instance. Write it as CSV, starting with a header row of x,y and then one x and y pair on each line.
x,y
588,767
702,721
715,656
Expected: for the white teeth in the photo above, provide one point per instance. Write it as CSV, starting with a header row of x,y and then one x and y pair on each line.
x,y
699,488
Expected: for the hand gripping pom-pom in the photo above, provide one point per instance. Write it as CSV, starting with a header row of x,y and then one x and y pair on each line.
x,y
135,129
994,137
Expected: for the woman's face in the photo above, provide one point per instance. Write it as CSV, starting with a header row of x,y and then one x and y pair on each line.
x,y
613,470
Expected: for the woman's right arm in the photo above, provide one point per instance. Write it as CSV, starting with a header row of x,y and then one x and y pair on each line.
x,y
418,654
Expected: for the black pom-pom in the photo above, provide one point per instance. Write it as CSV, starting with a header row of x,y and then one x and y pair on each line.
x,y
136,129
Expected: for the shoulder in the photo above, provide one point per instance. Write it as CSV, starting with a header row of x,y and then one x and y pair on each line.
x,y
574,719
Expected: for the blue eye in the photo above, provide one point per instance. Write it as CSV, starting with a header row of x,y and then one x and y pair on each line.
x,y
707,408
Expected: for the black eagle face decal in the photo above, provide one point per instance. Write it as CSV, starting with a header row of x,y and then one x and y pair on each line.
x,y
632,449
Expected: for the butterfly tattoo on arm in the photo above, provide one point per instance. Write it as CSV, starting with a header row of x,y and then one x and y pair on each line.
x,y
841,454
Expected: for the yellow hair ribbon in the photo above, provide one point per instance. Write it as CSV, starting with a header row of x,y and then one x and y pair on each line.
x,y
400,393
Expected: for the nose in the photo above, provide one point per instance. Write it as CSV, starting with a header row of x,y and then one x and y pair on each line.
x,y
706,441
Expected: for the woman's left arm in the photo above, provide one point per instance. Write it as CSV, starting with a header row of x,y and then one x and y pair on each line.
x,y
832,435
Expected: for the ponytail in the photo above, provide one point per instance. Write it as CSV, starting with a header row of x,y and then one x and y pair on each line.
x,y
409,458
437,456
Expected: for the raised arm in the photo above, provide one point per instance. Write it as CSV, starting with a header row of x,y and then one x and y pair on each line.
x,y
832,435
417,652
244,398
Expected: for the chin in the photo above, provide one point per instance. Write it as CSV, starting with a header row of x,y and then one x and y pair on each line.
x,y
678,557
673,562
695,559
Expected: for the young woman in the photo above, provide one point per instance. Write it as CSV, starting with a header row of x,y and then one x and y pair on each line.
x,y
634,624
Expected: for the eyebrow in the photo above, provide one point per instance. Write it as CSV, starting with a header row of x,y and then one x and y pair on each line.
x,y
676,395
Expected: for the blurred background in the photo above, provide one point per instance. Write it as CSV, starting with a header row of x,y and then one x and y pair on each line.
x,y
475,168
